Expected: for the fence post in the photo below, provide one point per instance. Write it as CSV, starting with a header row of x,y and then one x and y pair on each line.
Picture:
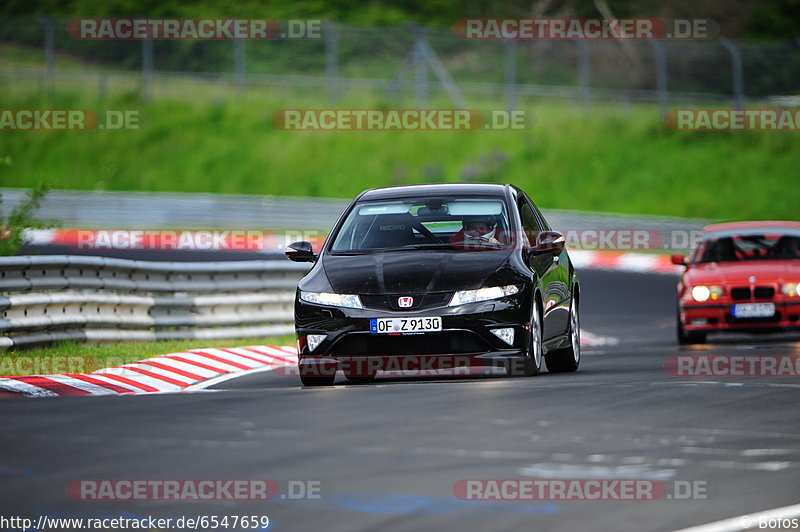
x,y
147,68
661,75
736,67
420,68
331,61
584,70
510,73
49,50
239,60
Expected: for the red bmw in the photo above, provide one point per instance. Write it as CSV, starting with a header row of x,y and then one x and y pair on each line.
x,y
741,276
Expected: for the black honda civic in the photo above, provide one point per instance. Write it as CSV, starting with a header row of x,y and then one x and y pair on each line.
x,y
437,277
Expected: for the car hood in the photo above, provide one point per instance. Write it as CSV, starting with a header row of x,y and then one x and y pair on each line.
x,y
727,273
403,272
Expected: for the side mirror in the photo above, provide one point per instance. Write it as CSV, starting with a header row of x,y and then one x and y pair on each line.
x,y
301,252
678,260
549,241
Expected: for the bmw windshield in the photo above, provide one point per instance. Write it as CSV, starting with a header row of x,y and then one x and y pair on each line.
x,y
458,224
748,245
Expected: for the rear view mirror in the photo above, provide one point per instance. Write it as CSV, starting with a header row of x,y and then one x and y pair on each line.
x,y
549,241
678,260
301,252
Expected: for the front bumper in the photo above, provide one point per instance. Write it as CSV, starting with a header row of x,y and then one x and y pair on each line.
x,y
465,340
717,316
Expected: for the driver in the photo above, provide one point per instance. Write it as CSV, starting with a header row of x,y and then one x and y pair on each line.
x,y
476,230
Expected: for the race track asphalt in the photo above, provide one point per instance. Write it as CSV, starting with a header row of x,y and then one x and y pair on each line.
x,y
386,455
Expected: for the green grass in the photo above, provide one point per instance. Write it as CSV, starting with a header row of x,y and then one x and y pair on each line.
x,y
205,138
72,357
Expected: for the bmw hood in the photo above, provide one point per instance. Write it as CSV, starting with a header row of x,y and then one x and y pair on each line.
x,y
412,272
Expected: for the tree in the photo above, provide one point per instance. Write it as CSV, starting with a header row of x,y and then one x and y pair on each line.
x,y
21,217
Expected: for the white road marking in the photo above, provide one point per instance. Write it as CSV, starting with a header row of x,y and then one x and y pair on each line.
x,y
746,521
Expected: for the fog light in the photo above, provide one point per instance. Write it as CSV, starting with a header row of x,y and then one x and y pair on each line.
x,y
506,335
314,340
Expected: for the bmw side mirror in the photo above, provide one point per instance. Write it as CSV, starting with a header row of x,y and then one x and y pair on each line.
x,y
678,260
552,241
301,252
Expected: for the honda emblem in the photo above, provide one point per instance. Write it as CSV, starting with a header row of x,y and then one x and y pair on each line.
x,y
405,301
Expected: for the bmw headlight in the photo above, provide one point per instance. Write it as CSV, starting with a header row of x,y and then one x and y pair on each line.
x,y
791,289
483,294
704,293
331,299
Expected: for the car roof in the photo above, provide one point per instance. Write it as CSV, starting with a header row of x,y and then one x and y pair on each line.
x,y
734,229
764,224
436,189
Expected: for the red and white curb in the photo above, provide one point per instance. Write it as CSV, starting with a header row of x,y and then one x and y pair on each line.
x,y
165,373
175,372
624,262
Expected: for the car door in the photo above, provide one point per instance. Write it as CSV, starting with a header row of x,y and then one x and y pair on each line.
x,y
551,267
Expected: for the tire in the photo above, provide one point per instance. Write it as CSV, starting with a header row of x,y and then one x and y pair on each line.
x,y
318,381
568,359
688,337
531,365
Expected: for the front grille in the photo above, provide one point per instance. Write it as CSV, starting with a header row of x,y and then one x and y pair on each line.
x,y
740,293
744,293
764,292
447,342
421,301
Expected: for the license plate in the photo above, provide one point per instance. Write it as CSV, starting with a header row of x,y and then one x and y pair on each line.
x,y
754,310
404,325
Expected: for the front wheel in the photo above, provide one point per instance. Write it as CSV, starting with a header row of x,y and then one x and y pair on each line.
x,y
568,359
688,337
531,365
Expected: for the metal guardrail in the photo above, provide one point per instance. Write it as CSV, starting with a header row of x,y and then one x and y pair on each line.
x,y
161,210
60,297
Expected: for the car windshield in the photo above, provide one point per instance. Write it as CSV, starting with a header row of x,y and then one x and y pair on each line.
x,y
428,223
724,247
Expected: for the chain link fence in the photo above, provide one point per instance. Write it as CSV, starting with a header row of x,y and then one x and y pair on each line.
x,y
411,63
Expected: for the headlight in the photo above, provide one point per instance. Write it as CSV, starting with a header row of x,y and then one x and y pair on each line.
x,y
332,300
704,293
483,294
791,289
